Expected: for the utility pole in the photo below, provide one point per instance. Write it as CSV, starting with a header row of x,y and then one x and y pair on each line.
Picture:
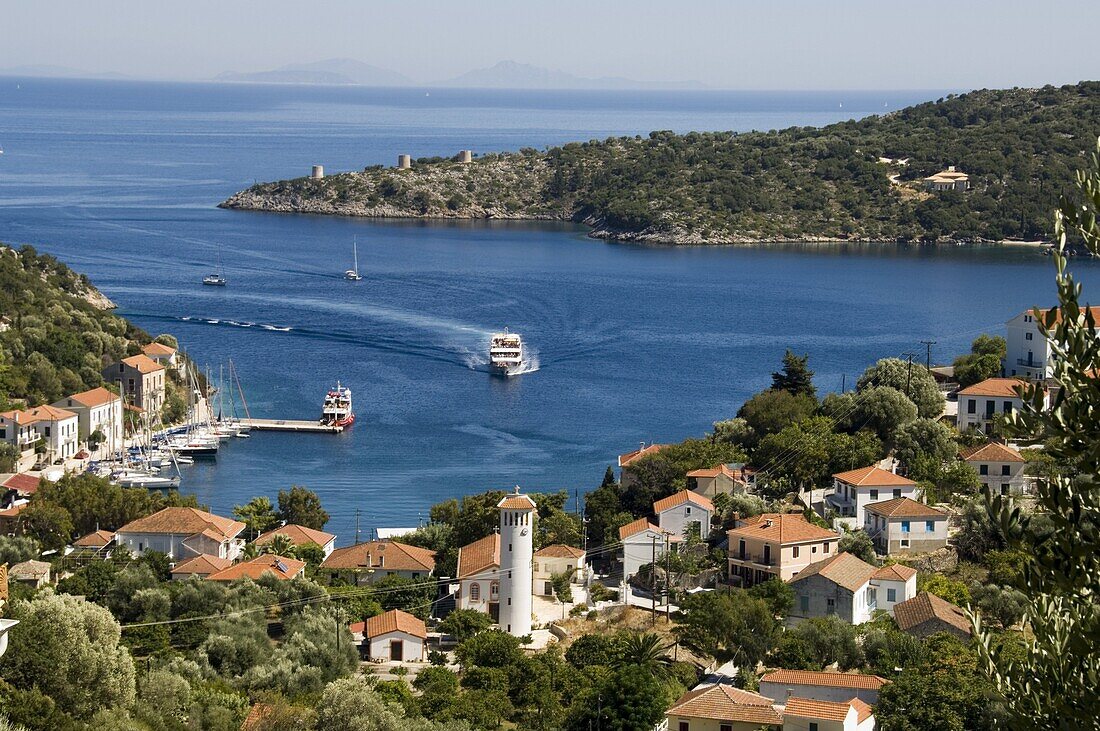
x,y
357,526
908,373
653,582
668,579
843,382
928,353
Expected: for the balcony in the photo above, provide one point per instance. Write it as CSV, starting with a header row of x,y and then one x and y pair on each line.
x,y
756,559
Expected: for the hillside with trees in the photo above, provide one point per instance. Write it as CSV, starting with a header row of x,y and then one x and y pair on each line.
x,y
1020,148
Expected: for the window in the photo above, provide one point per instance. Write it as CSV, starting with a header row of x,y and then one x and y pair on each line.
x,y
1027,336
47,431
1007,407
741,549
494,590
687,510
905,526
874,495
1027,318
684,726
794,552
813,725
1004,488
804,604
897,492
830,606
891,595
725,727
475,592
971,406
825,547
1005,470
930,526
983,469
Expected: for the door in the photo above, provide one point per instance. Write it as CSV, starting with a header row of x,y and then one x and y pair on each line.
x,y
397,650
548,588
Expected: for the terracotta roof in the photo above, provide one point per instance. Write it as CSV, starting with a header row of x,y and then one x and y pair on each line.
x,y
42,413
299,535
23,483
843,569
823,710
479,555
825,679
98,539
1058,312
726,703
1005,387
184,521
154,349
256,720
895,572
782,527
872,477
18,416
722,469
143,363
863,710
638,526
29,569
516,502
284,568
395,621
991,452
388,555
626,459
925,607
13,511
202,565
684,496
903,507
93,398
559,551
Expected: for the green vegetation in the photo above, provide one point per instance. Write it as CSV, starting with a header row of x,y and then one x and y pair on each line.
x,y
1019,146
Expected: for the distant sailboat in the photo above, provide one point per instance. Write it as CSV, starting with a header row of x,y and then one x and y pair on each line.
x,y
352,275
216,279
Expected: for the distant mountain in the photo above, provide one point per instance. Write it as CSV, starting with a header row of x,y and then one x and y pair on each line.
x,y
46,71
513,75
330,71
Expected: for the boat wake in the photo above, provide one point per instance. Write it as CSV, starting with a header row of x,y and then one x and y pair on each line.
x,y
530,363
234,323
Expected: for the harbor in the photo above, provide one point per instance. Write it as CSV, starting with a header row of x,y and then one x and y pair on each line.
x,y
295,425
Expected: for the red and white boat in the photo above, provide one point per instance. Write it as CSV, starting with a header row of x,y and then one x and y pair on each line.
x,y
336,410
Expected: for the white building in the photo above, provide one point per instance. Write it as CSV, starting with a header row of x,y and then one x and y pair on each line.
x,y
982,403
683,512
822,685
557,559
57,428
97,410
895,583
855,489
999,466
903,525
395,636
516,555
182,533
849,588
642,543
803,714
479,576
164,355
1028,353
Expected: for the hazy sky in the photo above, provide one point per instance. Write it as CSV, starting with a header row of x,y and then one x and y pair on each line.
x,y
762,44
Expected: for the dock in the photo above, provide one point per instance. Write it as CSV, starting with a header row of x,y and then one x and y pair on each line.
x,y
296,425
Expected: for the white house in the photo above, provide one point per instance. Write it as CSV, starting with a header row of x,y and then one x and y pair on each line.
x,y
684,512
1027,352
641,541
182,533
804,714
373,561
721,707
97,410
723,479
849,588
17,428
300,535
556,559
164,355
999,466
395,636
902,525
822,685
981,403
479,576
59,430
855,489
949,179
896,583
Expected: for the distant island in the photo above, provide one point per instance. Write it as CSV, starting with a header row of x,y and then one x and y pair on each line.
x,y
985,166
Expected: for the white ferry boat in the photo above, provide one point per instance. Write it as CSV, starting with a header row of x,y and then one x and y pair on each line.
x,y
337,407
505,353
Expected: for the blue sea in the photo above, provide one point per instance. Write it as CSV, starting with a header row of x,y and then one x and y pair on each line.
x,y
120,180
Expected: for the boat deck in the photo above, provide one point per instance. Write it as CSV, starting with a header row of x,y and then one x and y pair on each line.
x,y
296,425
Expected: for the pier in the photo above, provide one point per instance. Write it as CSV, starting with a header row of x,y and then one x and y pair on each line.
x,y
296,425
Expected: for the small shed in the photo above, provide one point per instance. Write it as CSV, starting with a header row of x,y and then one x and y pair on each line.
x,y
33,573
395,636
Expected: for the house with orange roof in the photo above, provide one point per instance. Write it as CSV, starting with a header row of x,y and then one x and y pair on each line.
x,y
22,485
926,614
393,636
895,583
375,560
642,542
776,545
200,566
854,490
626,476
98,543
821,685
17,428
800,714
163,354
722,708
999,467
300,535
182,533
56,428
838,586
684,512
98,411
903,525
478,576
981,403
949,179
1027,352
723,479
140,380
265,564
556,559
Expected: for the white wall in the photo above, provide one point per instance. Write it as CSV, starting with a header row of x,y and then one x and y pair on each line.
x,y
1018,330
638,551
676,519
902,590
978,404
412,647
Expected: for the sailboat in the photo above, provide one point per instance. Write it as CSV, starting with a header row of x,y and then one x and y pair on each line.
x,y
352,275
216,279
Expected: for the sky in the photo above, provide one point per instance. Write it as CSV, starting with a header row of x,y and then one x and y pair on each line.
x,y
751,44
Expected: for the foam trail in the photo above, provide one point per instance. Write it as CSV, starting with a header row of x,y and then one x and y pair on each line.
x,y
530,363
